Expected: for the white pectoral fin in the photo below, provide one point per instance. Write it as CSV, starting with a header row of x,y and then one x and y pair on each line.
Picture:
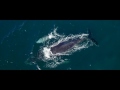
x,y
41,40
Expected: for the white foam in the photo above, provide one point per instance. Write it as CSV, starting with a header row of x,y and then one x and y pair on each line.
x,y
47,52
53,60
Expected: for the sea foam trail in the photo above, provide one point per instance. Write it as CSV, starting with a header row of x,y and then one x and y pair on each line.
x,y
11,31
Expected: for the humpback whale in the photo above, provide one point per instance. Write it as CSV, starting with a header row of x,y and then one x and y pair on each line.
x,y
59,48
66,45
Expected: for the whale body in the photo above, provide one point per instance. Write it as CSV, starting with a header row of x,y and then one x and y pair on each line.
x,y
66,45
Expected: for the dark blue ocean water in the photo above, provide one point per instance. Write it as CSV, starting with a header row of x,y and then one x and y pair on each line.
x,y
17,38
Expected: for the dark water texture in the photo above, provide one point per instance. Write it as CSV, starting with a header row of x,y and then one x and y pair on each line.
x,y
17,38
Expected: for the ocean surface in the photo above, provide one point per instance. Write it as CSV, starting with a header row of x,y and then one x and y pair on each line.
x,y
17,38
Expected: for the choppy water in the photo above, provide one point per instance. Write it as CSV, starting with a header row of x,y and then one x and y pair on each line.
x,y
17,38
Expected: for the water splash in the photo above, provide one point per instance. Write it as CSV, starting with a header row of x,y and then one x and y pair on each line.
x,y
52,39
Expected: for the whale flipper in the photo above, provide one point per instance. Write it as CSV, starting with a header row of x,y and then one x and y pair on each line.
x,y
91,38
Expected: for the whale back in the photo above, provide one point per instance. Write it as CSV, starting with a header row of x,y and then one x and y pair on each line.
x,y
64,46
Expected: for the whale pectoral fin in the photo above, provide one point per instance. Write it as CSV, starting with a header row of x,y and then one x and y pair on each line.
x,y
92,39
